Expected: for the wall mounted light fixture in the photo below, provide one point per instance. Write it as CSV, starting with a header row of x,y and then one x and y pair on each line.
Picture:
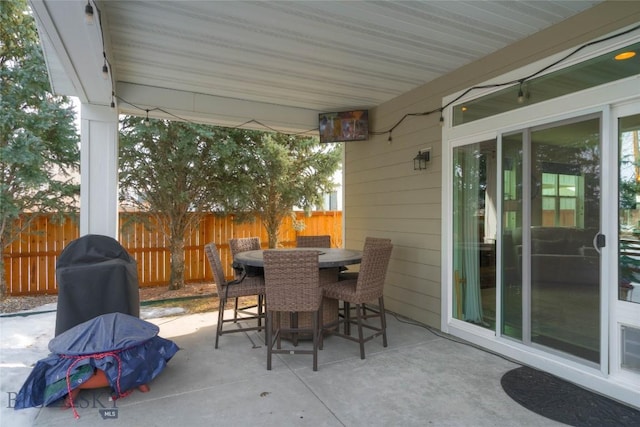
x,y
421,159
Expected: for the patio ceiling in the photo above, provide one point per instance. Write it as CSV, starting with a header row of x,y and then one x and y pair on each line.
x,y
276,63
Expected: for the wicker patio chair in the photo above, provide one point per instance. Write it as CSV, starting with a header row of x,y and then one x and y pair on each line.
x,y
367,287
244,244
313,241
349,275
292,281
247,286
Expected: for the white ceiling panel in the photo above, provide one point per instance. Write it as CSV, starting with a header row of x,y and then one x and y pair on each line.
x,y
311,55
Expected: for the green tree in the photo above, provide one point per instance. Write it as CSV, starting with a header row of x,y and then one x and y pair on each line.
x,y
180,171
175,171
277,172
38,140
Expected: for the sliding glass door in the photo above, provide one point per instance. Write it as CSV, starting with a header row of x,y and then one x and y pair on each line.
x,y
625,313
550,223
564,259
549,210
474,231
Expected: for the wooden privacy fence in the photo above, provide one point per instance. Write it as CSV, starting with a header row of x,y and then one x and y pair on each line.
x,y
30,262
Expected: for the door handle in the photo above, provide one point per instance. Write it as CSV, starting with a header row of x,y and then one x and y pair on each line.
x,y
599,241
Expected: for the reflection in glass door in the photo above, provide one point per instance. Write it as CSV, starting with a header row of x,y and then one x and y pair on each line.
x,y
474,231
512,217
629,209
565,219
625,311
550,219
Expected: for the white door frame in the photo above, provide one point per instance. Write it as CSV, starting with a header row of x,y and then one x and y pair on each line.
x,y
620,312
598,99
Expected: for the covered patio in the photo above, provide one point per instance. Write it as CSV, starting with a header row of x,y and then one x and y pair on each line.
x,y
421,378
277,65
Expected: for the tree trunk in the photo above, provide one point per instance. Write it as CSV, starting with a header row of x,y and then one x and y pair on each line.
x,y
3,279
272,232
176,248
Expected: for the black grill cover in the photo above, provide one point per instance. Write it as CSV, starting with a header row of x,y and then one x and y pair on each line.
x,y
95,276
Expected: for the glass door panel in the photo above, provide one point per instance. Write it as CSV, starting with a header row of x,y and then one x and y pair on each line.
x,y
629,209
550,270
565,218
512,236
474,233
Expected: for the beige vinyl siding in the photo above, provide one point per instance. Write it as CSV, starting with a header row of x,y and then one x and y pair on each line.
x,y
385,197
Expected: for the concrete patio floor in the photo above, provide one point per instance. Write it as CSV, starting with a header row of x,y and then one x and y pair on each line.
x,y
419,379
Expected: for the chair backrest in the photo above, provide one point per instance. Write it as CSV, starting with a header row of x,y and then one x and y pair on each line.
x,y
373,270
244,244
376,241
216,266
292,280
313,241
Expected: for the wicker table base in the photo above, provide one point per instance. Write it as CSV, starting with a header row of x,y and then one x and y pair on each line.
x,y
329,306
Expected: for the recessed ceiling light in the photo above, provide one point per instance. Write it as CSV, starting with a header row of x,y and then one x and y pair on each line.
x,y
625,55
464,108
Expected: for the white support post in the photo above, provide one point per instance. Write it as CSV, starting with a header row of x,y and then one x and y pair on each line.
x,y
99,171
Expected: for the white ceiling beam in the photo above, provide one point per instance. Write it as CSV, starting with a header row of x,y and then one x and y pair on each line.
x,y
228,112
73,48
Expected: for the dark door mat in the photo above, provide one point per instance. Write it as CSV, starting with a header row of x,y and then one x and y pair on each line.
x,y
559,400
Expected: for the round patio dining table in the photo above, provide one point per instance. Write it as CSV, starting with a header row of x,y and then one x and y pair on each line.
x,y
329,261
328,258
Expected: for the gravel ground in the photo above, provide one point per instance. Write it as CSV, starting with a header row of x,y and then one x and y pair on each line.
x,y
14,304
